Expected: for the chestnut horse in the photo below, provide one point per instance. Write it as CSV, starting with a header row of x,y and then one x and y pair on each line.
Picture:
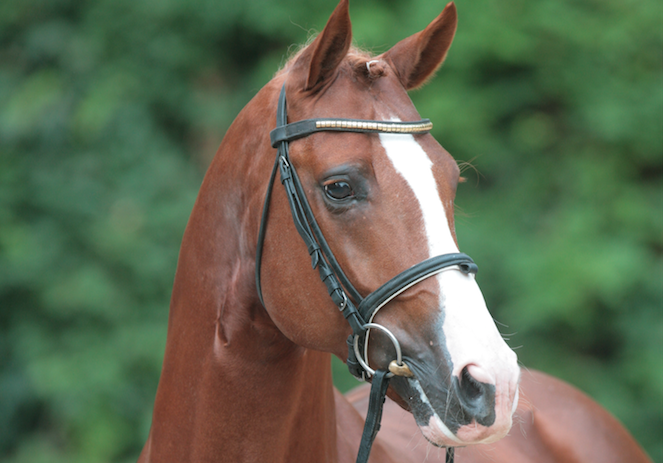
x,y
246,373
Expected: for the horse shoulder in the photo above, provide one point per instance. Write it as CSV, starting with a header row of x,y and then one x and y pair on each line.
x,y
557,423
554,423
568,419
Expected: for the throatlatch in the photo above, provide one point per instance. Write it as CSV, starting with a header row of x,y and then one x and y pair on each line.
x,y
357,310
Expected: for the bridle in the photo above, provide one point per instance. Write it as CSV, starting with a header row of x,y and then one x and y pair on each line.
x,y
358,311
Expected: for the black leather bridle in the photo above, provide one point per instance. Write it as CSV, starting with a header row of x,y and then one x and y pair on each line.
x,y
357,310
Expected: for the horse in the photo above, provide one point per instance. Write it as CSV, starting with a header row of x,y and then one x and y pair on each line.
x,y
246,375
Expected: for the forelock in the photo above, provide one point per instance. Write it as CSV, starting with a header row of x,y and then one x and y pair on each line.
x,y
361,62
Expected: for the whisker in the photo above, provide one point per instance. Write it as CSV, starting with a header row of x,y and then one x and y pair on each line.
x,y
466,165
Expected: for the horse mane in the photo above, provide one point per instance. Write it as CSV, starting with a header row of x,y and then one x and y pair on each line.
x,y
356,60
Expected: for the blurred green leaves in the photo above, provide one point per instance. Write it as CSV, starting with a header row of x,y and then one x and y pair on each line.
x,y
560,113
110,110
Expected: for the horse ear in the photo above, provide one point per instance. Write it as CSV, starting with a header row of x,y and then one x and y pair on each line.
x,y
416,58
322,57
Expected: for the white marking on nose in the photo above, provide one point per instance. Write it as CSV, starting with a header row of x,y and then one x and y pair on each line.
x,y
435,424
468,329
471,335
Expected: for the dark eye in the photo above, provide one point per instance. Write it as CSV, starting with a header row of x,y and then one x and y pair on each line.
x,y
339,190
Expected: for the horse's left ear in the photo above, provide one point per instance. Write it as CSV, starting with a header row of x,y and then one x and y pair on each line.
x,y
416,58
320,59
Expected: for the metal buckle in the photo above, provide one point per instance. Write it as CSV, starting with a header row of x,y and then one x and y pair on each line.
x,y
344,302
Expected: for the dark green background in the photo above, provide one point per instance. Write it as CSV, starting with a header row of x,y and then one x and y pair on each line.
x,y
110,111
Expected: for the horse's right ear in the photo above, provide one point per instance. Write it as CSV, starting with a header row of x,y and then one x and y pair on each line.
x,y
416,58
318,62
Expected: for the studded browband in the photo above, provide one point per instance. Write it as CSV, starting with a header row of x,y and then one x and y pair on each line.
x,y
301,129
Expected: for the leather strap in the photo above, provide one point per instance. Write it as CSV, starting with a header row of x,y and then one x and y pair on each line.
x,y
375,404
376,400
321,256
412,276
299,208
263,227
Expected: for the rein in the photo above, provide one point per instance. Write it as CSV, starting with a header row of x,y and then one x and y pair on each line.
x,y
357,310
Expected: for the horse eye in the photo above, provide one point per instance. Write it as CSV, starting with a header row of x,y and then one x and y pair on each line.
x,y
339,190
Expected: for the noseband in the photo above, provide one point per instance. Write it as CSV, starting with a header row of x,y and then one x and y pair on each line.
x,y
358,311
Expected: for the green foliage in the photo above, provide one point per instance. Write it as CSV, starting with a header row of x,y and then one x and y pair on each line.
x,y
111,109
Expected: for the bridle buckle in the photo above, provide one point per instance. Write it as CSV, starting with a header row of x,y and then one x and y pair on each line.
x,y
344,303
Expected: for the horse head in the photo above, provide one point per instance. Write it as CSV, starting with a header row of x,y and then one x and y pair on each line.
x,y
384,202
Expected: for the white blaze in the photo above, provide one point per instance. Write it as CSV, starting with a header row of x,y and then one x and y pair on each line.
x,y
470,333
412,162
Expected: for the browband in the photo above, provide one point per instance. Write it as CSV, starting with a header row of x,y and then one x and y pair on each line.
x,y
301,129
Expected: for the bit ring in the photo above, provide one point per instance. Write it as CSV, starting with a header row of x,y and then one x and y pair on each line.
x,y
399,367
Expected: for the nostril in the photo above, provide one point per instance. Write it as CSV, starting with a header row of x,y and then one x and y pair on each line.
x,y
470,387
476,394
479,374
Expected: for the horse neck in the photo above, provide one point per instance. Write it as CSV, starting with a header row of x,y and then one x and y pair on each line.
x,y
233,387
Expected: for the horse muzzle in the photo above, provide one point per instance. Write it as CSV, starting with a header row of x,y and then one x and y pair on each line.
x,y
464,387
458,411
